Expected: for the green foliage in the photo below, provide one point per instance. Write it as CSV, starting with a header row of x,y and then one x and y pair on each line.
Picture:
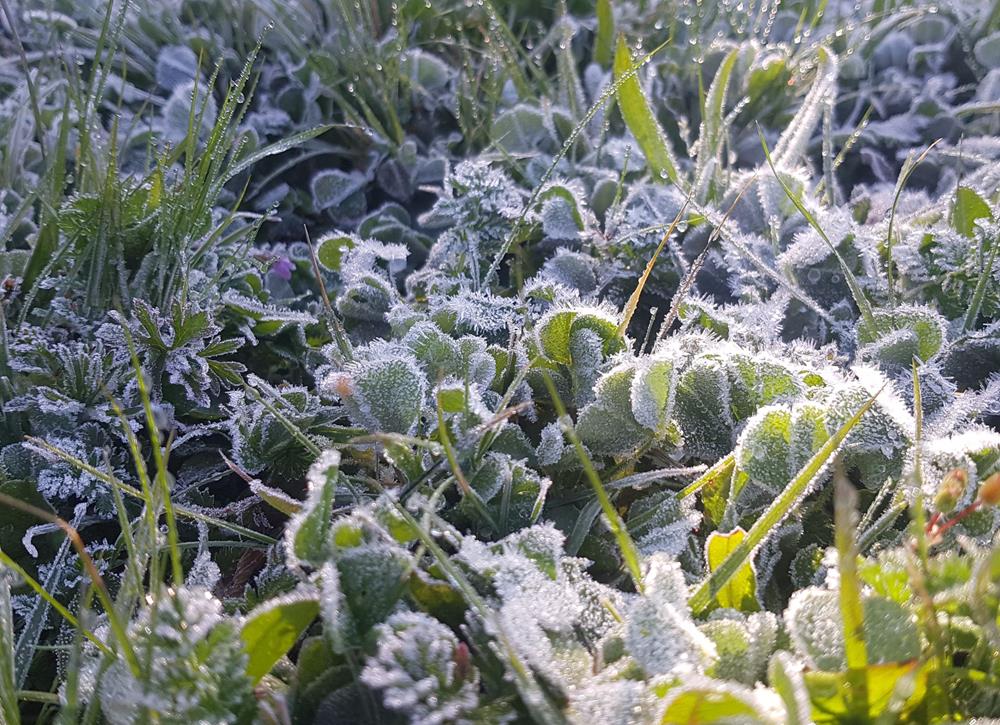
x,y
469,363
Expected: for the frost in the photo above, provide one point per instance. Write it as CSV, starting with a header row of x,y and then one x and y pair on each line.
x,y
617,701
665,642
196,665
814,624
423,670
384,393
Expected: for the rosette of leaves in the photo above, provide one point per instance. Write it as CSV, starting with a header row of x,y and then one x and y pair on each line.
x,y
195,667
422,670
263,428
476,210
181,352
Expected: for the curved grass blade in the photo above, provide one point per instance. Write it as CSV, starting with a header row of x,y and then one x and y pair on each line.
x,y
859,296
791,144
909,166
278,147
980,292
845,501
640,119
712,126
184,511
9,711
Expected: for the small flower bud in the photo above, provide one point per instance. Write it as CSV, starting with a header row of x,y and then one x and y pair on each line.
x,y
989,490
951,489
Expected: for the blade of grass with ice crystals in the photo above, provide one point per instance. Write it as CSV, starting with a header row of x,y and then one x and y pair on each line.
x,y
852,615
9,711
159,460
36,620
712,126
605,42
689,278
911,163
723,467
51,601
110,480
980,292
633,301
278,147
115,622
791,144
640,119
778,510
628,549
859,296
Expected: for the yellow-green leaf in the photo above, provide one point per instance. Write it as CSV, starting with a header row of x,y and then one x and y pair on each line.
x,y
740,592
272,629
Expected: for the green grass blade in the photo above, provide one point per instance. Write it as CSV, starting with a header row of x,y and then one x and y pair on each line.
x,y
792,142
9,711
713,123
845,500
628,549
633,300
776,512
273,149
41,591
183,511
722,468
911,163
640,119
605,42
980,292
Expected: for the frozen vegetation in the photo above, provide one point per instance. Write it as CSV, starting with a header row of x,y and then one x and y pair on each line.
x,y
499,362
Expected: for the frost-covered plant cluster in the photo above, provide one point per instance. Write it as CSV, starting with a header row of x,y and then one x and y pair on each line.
x,y
498,362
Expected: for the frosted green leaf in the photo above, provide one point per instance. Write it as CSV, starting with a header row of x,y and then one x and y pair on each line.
x,y
653,393
422,670
307,533
332,188
331,248
555,330
813,621
607,425
385,395
902,333
969,206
